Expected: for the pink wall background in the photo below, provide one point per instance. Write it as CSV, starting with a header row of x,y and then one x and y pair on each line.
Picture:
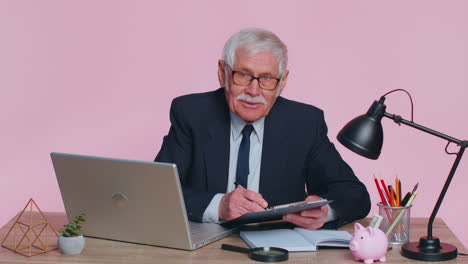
x,y
97,78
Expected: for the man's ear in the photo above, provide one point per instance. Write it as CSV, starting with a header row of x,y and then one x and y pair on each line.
x,y
282,84
221,74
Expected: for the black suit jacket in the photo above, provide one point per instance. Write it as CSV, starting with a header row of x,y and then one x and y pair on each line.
x,y
296,153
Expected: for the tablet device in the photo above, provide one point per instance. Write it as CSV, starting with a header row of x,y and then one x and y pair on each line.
x,y
275,213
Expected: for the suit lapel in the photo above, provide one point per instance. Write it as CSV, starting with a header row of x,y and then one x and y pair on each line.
x,y
273,158
217,149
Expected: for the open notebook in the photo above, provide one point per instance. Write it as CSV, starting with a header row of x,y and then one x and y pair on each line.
x,y
297,239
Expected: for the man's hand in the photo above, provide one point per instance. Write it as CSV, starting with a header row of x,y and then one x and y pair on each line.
x,y
239,202
309,219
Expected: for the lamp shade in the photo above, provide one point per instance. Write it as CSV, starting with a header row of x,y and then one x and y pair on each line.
x,y
364,134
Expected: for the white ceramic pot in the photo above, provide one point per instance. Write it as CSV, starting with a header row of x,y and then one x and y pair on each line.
x,y
71,245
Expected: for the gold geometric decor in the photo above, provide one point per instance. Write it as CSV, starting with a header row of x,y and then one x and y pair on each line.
x,y
31,233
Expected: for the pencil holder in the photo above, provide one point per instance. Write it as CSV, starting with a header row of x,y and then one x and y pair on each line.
x,y
401,231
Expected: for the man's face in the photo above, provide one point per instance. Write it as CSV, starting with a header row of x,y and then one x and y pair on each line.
x,y
251,102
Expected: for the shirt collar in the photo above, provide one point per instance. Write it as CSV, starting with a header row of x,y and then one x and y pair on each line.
x,y
237,124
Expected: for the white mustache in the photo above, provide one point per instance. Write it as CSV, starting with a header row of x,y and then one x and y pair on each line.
x,y
250,99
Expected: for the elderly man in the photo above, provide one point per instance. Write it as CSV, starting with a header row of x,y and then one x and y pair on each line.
x,y
242,148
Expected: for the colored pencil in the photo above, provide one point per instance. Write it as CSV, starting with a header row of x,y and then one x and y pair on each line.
x,y
397,219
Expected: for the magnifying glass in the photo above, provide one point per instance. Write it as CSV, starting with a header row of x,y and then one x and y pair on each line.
x,y
263,254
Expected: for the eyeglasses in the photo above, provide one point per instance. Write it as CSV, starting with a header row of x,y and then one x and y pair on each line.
x,y
266,82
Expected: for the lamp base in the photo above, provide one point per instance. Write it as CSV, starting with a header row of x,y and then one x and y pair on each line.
x,y
429,250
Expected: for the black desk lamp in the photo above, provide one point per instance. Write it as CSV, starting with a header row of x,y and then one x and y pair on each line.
x,y
364,136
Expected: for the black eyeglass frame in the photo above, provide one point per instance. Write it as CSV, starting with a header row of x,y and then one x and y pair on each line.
x,y
258,80
278,80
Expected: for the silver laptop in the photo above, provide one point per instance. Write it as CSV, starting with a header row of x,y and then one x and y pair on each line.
x,y
132,201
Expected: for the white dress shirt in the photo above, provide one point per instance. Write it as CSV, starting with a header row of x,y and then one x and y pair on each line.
x,y
255,155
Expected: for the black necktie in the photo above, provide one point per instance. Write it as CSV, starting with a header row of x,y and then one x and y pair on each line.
x,y
242,172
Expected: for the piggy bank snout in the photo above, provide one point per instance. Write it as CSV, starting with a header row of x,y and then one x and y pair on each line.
x,y
353,245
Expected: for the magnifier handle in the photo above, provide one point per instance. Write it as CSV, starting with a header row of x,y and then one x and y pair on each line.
x,y
235,248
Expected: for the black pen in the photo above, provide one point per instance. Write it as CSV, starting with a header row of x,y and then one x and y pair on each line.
x,y
405,200
408,195
415,188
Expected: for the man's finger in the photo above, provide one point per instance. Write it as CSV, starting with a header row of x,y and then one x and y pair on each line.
x,y
304,222
298,220
312,213
255,197
252,206
312,198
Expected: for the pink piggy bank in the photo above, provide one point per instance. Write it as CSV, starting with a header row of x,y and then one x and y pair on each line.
x,y
368,244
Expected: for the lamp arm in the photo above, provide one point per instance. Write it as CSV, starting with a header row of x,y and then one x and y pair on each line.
x,y
444,190
398,119
462,144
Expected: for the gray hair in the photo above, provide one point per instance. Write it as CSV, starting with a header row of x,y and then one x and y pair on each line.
x,y
253,41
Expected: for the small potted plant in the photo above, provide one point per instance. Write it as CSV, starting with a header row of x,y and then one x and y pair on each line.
x,y
70,240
